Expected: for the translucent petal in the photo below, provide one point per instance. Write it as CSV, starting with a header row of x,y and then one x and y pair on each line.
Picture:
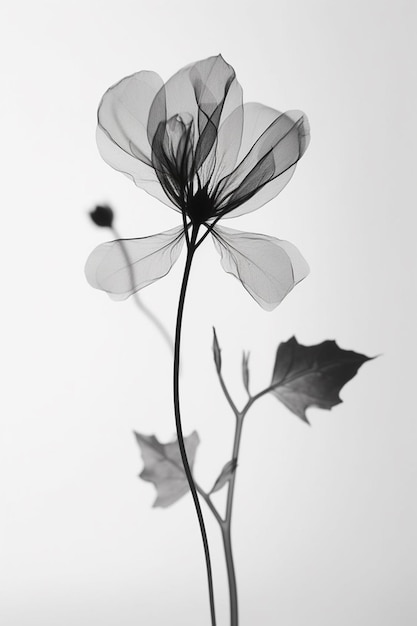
x,y
122,139
209,92
173,156
228,145
263,195
198,89
271,144
144,176
124,111
267,267
124,266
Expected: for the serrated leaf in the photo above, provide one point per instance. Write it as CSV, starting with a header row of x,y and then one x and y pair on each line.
x,y
163,466
308,376
216,352
245,371
224,476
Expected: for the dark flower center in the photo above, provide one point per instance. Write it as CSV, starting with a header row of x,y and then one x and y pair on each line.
x,y
200,207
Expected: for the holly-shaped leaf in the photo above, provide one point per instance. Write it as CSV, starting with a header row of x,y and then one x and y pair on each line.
x,y
224,476
307,376
163,466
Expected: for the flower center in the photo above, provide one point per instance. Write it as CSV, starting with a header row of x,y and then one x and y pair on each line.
x,y
200,207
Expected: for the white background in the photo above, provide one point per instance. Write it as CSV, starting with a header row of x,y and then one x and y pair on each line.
x,y
324,522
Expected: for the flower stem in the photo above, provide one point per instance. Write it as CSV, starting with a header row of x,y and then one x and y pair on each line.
x,y
226,527
231,576
225,524
177,345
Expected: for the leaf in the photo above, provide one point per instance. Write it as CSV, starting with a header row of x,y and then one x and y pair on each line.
x,y
224,476
245,371
307,376
216,352
163,466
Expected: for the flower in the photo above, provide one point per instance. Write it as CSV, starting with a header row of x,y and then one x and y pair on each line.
x,y
194,145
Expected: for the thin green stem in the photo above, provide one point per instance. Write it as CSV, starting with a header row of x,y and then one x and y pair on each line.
x,y
177,346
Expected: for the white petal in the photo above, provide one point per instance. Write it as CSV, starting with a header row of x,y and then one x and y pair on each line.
x,y
207,92
124,110
267,267
197,89
122,137
124,266
272,143
144,176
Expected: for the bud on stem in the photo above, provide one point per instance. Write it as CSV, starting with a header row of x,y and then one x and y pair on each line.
x,y
102,216
245,371
216,352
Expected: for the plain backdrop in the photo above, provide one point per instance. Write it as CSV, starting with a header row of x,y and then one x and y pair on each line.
x,y
325,516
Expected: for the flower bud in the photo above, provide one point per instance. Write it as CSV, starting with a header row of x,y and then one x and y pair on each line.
x,y
102,216
216,352
245,371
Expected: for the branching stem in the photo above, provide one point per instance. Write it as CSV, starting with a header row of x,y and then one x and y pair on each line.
x,y
226,523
